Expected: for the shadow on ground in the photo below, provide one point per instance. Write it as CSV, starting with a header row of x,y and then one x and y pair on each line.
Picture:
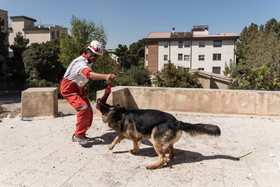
x,y
10,97
183,156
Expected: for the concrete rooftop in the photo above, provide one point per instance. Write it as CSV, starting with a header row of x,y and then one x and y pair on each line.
x,y
40,153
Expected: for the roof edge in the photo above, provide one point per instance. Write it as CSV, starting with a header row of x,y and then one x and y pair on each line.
x,y
24,17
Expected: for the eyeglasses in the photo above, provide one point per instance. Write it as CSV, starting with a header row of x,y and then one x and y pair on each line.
x,y
95,55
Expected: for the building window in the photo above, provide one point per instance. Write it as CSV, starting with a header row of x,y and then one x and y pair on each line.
x,y
200,69
1,21
57,34
201,44
187,57
180,44
52,35
180,57
165,44
187,44
217,43
216,57
165,57
2,24
216,70
201,57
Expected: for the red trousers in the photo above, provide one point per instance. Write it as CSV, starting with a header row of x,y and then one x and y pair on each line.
x,y
78,99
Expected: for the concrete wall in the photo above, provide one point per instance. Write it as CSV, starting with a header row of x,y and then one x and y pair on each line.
x,y
197,100
38,36
213,82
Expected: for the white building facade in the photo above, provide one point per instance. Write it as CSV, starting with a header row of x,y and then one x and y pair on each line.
x,y
195,50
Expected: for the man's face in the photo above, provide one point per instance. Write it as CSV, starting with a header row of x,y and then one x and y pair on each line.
x,y
92,57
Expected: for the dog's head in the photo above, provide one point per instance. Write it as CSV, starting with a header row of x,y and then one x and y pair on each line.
x,y
106,110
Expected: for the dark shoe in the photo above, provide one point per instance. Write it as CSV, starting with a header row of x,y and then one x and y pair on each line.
x,y
81,140
74,138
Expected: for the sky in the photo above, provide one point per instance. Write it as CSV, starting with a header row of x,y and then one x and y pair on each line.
x,y
127,21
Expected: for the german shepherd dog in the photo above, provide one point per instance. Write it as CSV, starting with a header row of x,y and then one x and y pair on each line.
x,y
163,128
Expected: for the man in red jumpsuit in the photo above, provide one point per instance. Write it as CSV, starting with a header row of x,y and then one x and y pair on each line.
x,y
72,88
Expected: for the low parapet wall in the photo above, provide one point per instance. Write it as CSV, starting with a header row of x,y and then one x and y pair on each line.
x,y
245,102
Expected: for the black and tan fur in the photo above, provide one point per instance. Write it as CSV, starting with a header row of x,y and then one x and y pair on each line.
x,y
163,128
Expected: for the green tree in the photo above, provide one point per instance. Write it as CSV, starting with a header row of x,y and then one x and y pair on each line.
x,y
246,36
15,64
3,41
257,43
135,76
272,26
19,46
3,49
82,33
264,49
257,78
170,76
41,64
121,52
258,50
132,64
135,54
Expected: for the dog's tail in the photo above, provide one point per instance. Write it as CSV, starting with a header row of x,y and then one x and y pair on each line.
x,y
200,128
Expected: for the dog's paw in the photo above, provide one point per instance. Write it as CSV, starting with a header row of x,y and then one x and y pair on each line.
x,y
170,156
132,152
110,147
150,167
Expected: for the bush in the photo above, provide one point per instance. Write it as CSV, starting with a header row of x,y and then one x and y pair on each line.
x,y
257,78
135,76
170,76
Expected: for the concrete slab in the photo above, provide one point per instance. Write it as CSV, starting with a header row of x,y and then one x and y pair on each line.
x,y
39,102
40,153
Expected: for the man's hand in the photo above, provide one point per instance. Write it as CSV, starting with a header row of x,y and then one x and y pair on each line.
x,y
110,77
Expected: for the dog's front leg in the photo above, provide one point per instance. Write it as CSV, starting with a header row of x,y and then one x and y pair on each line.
x,y
116,140
136,145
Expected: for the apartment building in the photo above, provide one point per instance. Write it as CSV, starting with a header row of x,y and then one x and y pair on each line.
x,y
35,34
195,50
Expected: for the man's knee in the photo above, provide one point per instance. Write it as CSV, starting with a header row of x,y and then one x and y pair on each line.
x,y
85,113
